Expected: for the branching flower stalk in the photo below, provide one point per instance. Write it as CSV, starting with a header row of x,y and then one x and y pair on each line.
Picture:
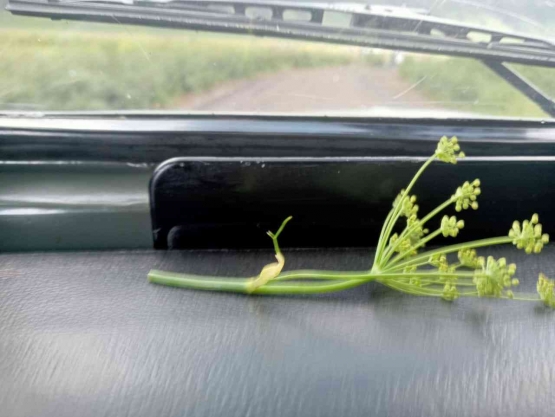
x,y
400,262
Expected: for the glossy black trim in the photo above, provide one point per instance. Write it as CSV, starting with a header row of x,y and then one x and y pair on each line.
x,y
68,142
231,202
150,138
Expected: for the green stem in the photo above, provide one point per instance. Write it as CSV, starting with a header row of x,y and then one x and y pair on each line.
x,y
240,285
388,226
426,262
173,279
413,248
391,250
457,283
426,291
275,236
414,290
339,281
382,235
437,210
409,275
363,275
323,275
468,294
450,249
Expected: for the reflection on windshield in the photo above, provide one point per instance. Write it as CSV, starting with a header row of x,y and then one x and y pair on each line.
x,y
68,66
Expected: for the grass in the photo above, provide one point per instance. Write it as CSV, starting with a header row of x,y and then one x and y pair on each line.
x,y
49,65
468,85
130,68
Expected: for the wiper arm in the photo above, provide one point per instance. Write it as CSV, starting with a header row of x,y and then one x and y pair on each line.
x,y
365,26
523,85
407,32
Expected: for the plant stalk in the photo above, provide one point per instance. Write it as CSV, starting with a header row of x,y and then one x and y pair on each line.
x,y
328,281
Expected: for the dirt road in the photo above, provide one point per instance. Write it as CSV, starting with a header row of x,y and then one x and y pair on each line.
x,y
330,89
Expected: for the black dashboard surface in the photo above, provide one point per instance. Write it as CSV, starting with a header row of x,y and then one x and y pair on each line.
x,y
84,334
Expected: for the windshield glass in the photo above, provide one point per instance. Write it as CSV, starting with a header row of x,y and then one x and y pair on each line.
x,y
60,65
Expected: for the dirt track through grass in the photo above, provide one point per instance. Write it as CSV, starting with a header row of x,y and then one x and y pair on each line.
x,y
338,88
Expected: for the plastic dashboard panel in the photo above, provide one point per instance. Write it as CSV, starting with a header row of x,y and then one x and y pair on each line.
x,y
335,202
80,181
84,334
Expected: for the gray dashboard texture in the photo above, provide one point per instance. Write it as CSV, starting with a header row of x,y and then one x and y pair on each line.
x,y
84,334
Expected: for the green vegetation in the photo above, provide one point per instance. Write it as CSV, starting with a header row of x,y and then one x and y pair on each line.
x,y
544,78
468,85
401,262
59,65
131,68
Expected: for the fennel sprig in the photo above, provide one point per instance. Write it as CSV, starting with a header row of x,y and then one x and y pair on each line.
x,y
401,261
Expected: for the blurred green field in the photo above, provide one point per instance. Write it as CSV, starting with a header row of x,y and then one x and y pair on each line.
x,y
138,69
49,65
468,85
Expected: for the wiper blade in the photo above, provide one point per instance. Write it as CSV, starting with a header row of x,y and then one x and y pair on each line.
x,y
410,32
368,26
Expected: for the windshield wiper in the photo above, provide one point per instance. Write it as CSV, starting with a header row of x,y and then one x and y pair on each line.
x,y
360,25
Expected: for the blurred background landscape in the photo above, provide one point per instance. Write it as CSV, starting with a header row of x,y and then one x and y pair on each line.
x,y
59,65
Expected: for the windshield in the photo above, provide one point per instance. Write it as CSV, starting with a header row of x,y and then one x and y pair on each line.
x,y
61,65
